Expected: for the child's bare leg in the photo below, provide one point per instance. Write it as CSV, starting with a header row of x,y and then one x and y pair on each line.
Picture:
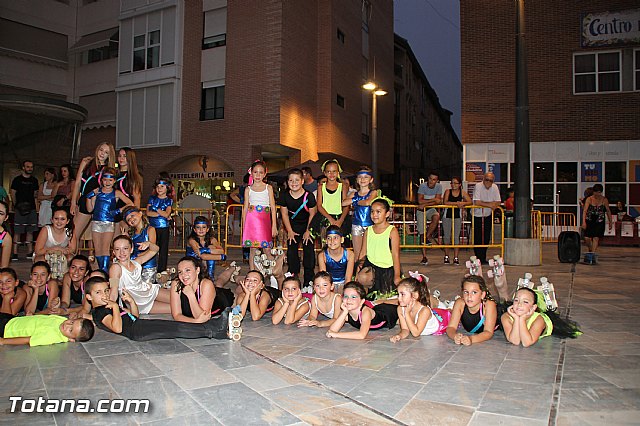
x,y
252,253
163,296
357,244
80,222
160,307
223,278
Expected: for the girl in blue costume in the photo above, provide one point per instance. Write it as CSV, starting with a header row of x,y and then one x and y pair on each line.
x,y
381,250
140,231
335,259
103,203
159,212
361,201
475,310
204,246
88,178
525,324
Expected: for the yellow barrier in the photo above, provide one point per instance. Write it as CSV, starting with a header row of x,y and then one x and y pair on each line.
x,y
406,219
552,224
183,222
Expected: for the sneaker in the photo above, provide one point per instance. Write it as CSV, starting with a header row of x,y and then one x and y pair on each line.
x,y
30,256
456,261
429,242
446,260
432,241
424,261
14,257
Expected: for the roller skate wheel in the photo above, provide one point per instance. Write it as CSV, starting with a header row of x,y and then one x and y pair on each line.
x,y
235,322
263,256
543,280
469,264
158,275
490,274
492,262
473,258
436,294
274,251
528,276
268,271
266,263
273,263
172,270
235,336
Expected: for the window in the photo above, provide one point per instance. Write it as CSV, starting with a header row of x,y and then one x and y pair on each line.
x,y
543,172
100,53
597,72
636,69
146,51
340,36
340,101
212,103
214,41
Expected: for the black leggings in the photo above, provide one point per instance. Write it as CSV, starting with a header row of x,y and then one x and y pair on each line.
x,y
308,261
482,228
162,240
4,319
152,329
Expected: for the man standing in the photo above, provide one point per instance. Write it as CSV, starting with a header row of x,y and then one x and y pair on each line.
x,y
486,194
309,184
429,194
24,189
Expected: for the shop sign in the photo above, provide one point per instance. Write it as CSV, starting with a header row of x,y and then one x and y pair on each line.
x,y
201,175
611,28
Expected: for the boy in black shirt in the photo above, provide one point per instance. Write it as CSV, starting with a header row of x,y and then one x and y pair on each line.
x,y
109,317
298,207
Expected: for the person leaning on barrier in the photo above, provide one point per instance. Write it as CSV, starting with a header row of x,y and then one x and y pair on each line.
x,y
429,194
486,194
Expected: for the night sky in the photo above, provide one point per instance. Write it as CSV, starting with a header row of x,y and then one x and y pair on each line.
x,y
432,28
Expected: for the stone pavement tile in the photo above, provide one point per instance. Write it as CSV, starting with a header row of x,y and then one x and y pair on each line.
x,y
109,347
383,342
265,377
302,364
95,418
19,380
105,336
369,358
457,387
581,379
70,382
199,418
578,350
601,398
420,366
230,355
16,356
527,372
384,394
344,346
31,418
546,350
237,404
61,355
193,343
166,399
624,361
580,363
420,412
615,337
623,378
348,414
340,378
305,398
163,347
598,418
191,370
271,348
491,419
328,354
121,368
518,399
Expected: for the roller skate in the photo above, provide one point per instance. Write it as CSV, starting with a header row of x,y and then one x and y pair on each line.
x,y
499,276
549,294
164,278
475,268
236,271
526,281
235,322
590,258
58,263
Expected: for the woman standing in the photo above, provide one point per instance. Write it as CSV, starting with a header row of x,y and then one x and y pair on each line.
x,y
46,193
595,208
455,196
64,189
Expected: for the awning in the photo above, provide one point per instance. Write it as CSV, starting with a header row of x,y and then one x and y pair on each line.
x,y
95,40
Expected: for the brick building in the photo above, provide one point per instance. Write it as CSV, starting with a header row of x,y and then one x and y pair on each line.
x,y
424,139
584,96
201,88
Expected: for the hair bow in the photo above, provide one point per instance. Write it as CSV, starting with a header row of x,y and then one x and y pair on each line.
x,y
382,197
288,274
418,276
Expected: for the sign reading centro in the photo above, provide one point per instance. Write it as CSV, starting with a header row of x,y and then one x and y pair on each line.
x,y
201,175
611,28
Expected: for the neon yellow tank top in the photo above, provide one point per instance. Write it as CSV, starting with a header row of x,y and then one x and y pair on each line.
x,y
378,251
332,203
547,322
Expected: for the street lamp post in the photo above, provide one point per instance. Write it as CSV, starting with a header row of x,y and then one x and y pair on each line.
x,y
375,91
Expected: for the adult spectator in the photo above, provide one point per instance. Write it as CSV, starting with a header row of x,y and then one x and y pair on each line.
x,y
24,190
310,184
46,194
595,208
429,194
65,186
486,194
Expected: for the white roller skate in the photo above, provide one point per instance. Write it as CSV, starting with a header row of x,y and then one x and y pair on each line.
x,y
497,272
236,271
475,268
526,281
549,294
164,278
235,322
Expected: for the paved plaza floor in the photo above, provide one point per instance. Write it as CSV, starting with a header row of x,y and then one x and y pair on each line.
x,y
285,375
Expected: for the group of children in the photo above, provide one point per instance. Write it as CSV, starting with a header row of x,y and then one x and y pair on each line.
x,y
115,296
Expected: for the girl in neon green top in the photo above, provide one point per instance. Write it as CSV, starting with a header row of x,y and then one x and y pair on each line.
x,y
381,250
523,324
330,196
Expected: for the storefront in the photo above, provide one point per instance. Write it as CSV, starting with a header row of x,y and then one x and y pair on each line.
x,y
561,171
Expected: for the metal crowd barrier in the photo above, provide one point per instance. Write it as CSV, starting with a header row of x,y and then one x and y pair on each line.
x,y
547,226
407,221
